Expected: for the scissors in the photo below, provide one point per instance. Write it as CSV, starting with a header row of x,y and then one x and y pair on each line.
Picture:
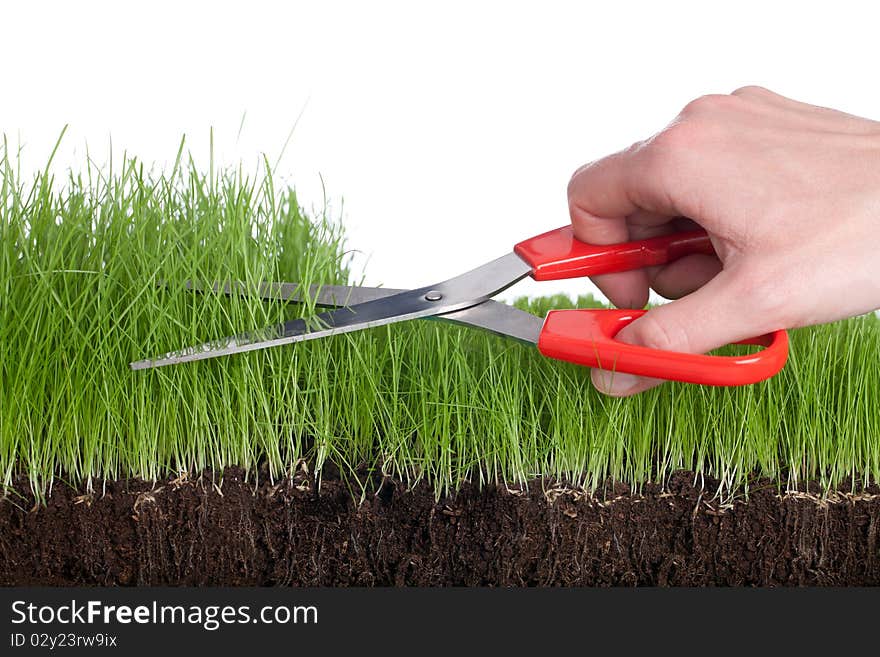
x,y
584,337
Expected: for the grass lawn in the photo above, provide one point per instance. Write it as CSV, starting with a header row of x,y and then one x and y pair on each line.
x,y
80,262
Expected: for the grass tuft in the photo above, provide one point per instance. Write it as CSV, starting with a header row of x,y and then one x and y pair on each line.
x,y
81,262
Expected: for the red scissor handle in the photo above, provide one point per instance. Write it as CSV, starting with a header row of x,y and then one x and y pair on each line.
x,y
587,337
558,254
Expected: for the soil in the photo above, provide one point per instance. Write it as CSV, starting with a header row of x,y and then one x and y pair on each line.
x,y
196,532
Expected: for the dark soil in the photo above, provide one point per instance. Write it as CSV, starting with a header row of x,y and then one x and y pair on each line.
x,y
193,532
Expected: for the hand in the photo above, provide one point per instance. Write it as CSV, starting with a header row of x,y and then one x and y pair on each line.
x,y
790,196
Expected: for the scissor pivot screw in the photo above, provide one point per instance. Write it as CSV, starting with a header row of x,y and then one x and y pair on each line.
x,y
433,295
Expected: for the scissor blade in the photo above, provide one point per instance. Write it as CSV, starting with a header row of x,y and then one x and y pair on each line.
x,y
457,293
399,307
498,318
334,296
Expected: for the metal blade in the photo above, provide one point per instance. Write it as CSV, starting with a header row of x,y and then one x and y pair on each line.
x,y
457,293
333,296
492,316
500,319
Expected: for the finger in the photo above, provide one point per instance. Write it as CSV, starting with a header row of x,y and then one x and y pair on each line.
x,y
603,193
643,223
708,318
631,289
625,289
601,196
683,276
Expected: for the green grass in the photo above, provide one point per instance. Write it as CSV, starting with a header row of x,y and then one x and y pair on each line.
x,y
80,259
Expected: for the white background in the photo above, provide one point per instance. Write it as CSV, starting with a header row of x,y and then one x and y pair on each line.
x,y
449,129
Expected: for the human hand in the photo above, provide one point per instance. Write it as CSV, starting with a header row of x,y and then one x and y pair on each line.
x,y
790,196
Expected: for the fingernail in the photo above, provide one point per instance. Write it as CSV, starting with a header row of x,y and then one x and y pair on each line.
x,y
615,384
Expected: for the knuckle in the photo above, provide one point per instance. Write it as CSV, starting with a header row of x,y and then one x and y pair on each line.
x,y
751,90
703,123
708,104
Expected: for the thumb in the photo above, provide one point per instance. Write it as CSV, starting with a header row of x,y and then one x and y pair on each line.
x,y
706,319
